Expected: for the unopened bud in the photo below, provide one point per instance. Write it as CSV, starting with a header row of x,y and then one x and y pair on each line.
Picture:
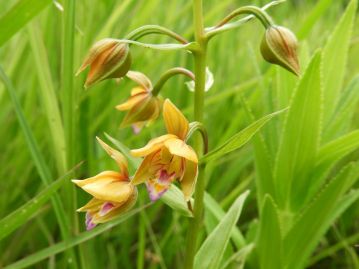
x,y
108,58
279,46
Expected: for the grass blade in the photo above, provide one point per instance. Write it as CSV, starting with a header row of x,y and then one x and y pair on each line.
x,y
21,215
335,55
239,139
300,137
70,243
211,252
269,238
48,96
316,219
20,14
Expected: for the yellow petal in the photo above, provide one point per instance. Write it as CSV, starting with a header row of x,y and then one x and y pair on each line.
x,y
101,176
132,101
146,110
188,181
144,171
175,122
118,210
176,166
179,148
110,190
117,156
152,146
137,90
141,79
93,205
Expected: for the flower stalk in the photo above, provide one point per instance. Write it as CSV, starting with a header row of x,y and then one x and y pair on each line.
x,y
167,75
154,29
260,14
200,82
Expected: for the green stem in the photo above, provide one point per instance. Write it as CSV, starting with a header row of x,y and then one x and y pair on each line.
x,y
68,103
154,29
200,81
252,10
198,126
167,75
213,31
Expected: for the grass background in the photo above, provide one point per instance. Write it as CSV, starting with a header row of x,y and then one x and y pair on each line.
x,y
38,61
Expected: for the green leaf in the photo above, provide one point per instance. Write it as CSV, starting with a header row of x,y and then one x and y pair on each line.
x,y
345,202
340,121
300,137
70,243
239,139
335,56
21,215
39,160
337,149
211,252
239,258
20,14
269,242
313,17
305,234
263,162
328,156
174,198
213,208
47,95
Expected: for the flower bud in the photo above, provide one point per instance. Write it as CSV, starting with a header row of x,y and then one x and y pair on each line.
x,y
108,58
279,46
142,106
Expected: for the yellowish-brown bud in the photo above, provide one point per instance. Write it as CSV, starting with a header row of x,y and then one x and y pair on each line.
x,y
108,58
142,106
279,46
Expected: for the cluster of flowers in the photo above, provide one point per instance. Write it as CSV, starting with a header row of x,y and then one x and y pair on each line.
x,y
165,159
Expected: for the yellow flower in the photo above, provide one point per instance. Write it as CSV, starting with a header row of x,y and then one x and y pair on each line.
x,y
279,46
168,157
142,106
108,58
112,192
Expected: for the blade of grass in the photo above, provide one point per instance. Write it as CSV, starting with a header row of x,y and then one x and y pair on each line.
x,y
38,159
335,55
211,251
300,139
21,215
316,219
71,242
20,14
47,95
313,17
239,139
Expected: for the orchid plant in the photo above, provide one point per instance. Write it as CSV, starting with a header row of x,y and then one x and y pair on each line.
x,y
169,158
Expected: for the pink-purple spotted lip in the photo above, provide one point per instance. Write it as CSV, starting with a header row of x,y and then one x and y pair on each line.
x,y
136,130
164,177
106,207
89,223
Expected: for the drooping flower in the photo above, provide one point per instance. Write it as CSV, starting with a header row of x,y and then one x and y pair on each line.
x,y
108,58
113,193
168,157
279,46
142,106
